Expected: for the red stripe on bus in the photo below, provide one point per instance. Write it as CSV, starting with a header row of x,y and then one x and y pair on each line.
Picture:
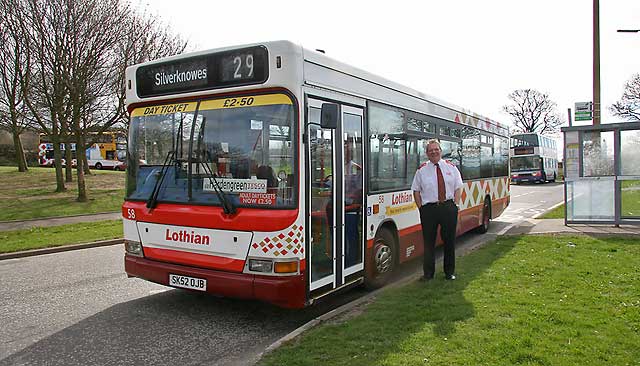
x,y
210,217
194,259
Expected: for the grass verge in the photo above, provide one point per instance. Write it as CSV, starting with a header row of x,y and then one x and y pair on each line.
x,y
556,213
46,237
31,195
528,300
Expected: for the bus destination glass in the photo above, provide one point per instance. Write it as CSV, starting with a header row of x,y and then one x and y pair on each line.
x,y
220,70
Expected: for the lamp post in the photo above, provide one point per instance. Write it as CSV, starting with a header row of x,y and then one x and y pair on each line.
x,y
596,62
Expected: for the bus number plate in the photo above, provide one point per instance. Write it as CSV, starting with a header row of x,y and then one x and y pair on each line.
x,y
192,283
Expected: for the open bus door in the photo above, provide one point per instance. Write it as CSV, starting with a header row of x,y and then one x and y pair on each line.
x,y
335,199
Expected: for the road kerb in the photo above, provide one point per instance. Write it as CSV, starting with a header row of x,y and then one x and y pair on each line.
x,y
62,248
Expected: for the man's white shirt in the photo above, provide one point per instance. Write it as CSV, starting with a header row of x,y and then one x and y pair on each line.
x,y
426,181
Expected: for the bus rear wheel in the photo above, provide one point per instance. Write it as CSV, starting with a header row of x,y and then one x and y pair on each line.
x,y
486,217
383,260
98,166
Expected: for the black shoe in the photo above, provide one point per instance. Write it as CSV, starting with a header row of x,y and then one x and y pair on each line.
x,y
425,279
450,277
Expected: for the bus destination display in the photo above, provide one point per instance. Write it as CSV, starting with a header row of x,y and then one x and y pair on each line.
x,y
225,69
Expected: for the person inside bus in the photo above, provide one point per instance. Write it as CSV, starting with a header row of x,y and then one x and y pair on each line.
x,y
266,172
437,188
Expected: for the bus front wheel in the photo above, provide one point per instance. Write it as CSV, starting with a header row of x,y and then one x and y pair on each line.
x,y
382,261
98,166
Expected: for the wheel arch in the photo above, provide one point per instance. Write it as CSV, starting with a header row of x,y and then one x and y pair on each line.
x,y
391,226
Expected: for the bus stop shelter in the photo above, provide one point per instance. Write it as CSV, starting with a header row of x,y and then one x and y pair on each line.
x,y
602,174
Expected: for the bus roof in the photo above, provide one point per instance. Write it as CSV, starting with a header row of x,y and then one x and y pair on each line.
x,y
323,60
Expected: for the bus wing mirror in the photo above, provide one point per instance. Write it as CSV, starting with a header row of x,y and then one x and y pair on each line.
x,y
329,115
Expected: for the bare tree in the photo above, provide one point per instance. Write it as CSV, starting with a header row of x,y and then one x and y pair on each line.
x,y
628,106
533,111
134,47
81,48
48,97
14,63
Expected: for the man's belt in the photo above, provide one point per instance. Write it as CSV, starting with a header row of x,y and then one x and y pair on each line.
x,y
439,203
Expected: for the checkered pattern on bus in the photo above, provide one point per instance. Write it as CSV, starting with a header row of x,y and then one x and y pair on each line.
x,y
473,192
288,243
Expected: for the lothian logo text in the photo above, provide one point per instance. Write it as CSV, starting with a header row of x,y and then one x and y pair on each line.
x,y
187,237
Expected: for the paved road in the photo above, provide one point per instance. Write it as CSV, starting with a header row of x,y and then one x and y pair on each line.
x,y
527,201
78,308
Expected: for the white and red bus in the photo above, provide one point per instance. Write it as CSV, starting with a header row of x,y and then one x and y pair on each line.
x,y
276,173
106,153
534,158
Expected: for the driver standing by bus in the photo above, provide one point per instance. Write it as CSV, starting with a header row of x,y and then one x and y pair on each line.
x,y
437,187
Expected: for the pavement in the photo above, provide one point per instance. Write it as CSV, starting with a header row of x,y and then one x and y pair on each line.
x,y
55,221
557,226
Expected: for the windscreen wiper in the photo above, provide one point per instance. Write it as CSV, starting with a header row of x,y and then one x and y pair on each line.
x,y
153,198
227,206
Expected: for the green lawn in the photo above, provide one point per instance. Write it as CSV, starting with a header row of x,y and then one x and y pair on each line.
x,y
527,300
556,213
31,195
37,238
630,198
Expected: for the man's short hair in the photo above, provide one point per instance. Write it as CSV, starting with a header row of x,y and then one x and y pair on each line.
x,y
434,141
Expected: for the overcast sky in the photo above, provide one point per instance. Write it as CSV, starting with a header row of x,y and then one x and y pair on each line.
x,y
470,53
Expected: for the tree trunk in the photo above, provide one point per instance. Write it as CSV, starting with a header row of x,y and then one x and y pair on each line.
x,y
20,158
81,157
85,164
57,158
68,156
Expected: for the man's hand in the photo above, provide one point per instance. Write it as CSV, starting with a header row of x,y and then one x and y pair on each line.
x,y
417,199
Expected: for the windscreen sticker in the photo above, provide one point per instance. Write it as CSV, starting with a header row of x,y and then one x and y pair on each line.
x,y
256,125
249,101
237,185
164,109
251,198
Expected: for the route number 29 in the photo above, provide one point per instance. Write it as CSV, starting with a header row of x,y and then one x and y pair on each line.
x,y
131,214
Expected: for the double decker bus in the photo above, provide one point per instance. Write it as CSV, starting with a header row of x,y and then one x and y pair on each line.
x,y
273,172
534,158
109,149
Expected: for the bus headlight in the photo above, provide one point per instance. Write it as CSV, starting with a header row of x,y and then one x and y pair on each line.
x,y
257,265
133,248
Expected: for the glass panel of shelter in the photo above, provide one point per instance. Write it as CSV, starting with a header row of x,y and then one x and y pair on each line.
x,y
629,174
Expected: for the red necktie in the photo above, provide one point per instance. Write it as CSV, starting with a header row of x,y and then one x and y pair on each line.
x,y
441,190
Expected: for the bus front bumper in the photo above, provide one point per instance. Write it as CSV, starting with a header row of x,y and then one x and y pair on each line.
x,y
527,179
283,291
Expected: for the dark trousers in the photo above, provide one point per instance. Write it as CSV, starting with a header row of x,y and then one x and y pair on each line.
x,y
444,215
